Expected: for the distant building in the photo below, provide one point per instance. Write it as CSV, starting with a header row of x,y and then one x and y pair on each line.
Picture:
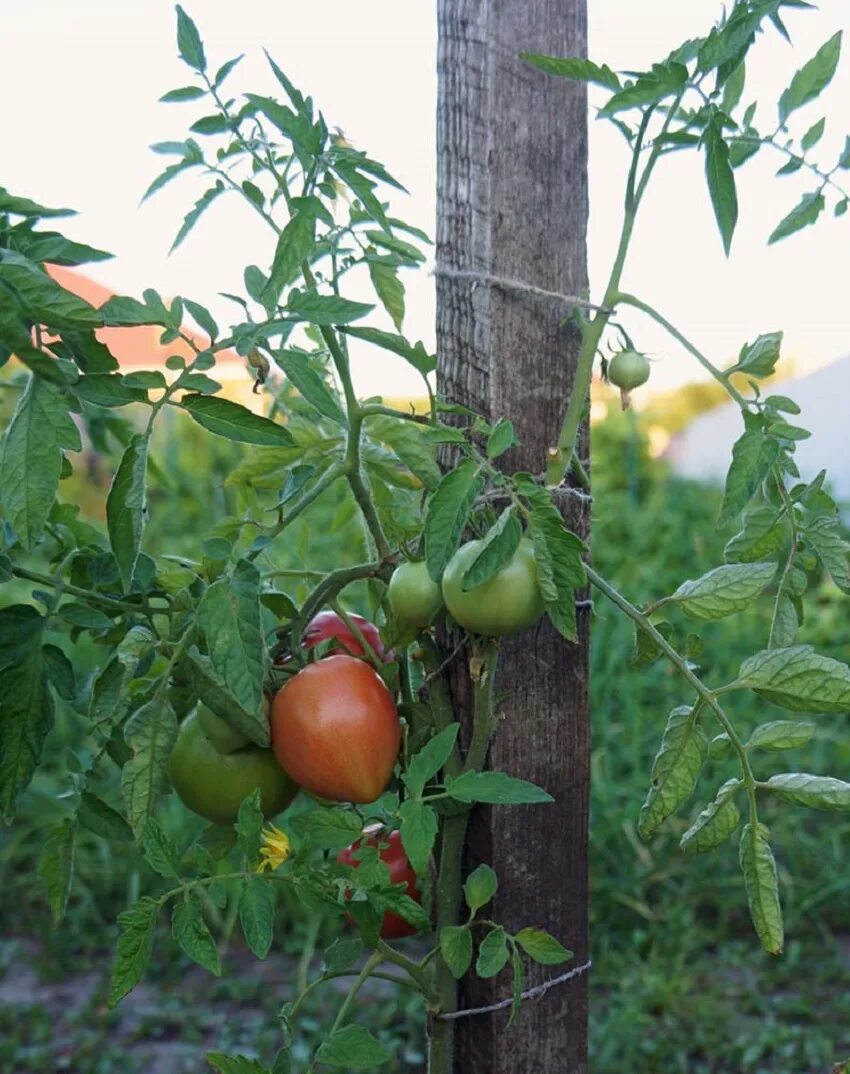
x,y
703,450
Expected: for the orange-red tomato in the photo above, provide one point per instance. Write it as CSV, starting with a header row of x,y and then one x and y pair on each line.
x,y
335,730
393,927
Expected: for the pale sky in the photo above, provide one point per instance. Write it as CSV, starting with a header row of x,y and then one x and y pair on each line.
x,y
80,81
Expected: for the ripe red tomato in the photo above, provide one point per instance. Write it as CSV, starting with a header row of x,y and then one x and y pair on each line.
x,y
393,927
330,625
335,729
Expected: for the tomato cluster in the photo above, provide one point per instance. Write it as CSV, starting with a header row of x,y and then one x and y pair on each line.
x,y
334,726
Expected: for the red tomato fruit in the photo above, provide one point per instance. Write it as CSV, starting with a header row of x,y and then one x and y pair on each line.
x,y
393,927
330,625
335,730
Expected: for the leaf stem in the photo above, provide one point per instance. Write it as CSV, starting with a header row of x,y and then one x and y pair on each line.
x,y
706,695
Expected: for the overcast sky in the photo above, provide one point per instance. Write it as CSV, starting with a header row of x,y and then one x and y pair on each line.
x,y
80,80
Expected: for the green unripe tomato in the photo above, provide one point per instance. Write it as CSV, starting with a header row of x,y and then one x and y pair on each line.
x,y
414,597
225,738
509,602
213,784
628,370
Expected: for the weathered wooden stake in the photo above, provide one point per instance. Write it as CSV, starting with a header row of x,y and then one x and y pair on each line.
x,y
512,203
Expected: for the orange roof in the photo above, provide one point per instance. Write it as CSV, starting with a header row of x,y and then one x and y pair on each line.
x,y
136,346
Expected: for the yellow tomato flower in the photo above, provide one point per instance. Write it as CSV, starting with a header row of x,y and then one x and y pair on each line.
x,y
274,849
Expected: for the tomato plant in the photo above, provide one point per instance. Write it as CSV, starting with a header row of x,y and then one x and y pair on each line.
x,y
393,856
172,633
336,731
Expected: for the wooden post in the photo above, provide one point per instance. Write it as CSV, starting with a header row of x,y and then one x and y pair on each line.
x,y
512,203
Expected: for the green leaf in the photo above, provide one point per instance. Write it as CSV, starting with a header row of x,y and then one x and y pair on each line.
x,y
764,531
110,694
448,511
99,817
752,457
389,289
235,1064
480,887
419,829
256,915
122,312
108,390
249,827
724,590
42,299
645,651
217,695
574,67
133,951
56,866
802,215
150,733
456,949
294,246
203,318
649,88
492,953
229,616
558,554
27,704
160,852
84,617
126,508
497,550
496,788
327,828
191,933
798,678
184,93
715,823
40,430
759,359
817,792
409,442
196,212
235,422
825,535
325,309
721,179
782,735
502,437
415,354
309,383
812,78
342,954
542,948
189,42
428,761
813,135
675,770
759,869
353,1048
214,124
